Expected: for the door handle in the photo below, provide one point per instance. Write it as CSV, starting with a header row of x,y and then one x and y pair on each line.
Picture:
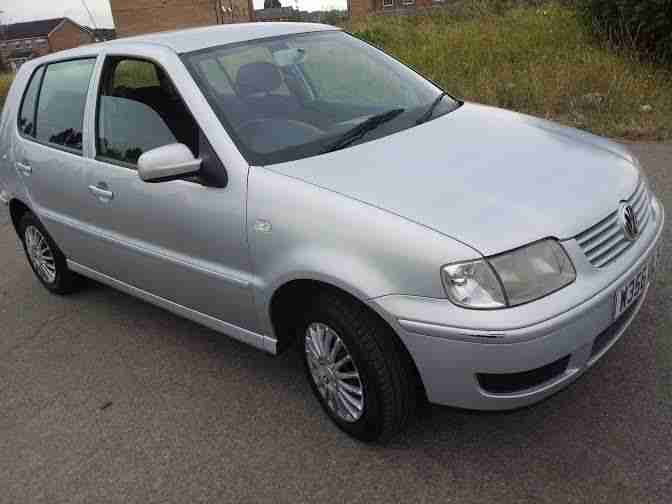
x,y
101,193
24,168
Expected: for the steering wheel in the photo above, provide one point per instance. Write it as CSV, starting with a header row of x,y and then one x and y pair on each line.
x,y
270,134
252,124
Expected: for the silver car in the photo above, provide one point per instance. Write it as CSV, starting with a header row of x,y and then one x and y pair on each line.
x,y
289,184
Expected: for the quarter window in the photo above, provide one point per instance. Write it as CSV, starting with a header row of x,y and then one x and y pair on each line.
x,y
27,112
61,103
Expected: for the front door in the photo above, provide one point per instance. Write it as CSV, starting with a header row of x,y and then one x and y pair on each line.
x,y
182,240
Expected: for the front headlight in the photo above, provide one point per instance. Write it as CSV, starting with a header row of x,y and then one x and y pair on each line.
x,y
509,279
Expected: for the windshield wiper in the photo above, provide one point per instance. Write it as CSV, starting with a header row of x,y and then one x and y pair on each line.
x,y
430,111
362,129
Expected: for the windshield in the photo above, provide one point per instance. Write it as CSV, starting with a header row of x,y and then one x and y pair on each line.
x,y
291,97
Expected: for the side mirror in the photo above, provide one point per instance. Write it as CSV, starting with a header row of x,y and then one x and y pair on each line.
x,y
169,162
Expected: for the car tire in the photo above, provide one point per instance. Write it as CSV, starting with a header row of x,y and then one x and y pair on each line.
x,y
45,258
384,381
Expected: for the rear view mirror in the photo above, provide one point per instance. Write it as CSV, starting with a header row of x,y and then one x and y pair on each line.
x,y
288,57
168,162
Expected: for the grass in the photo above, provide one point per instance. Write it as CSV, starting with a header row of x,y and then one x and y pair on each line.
x,y
533,59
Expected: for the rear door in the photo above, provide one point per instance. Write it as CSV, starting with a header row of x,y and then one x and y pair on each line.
x,y
49,149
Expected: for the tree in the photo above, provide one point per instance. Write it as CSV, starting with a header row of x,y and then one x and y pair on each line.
x,y
272,4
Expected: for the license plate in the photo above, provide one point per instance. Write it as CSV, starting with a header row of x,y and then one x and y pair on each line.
x,y
631,291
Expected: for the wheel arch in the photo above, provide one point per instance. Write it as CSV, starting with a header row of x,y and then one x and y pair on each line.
x,y
290,296
17,209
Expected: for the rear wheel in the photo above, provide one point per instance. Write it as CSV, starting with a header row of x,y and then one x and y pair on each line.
x,y
45,258
356,369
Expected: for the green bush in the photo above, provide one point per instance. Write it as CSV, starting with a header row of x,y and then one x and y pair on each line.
x,y
645,25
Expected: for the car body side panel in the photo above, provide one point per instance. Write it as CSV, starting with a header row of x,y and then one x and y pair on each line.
x,y
178,240
50,168
10,184
321,235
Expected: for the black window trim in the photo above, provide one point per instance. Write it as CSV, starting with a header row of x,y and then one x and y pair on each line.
x,y
23,99
62,148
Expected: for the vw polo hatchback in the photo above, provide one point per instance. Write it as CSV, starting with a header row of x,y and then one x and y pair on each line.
x,y
288,184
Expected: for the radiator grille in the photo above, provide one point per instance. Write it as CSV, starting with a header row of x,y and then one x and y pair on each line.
x,y
604,242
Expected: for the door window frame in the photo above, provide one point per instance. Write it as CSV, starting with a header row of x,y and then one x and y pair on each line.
x,y
23,100
33,137
102,80
203,140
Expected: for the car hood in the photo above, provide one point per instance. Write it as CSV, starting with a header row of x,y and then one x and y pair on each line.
x,y
492,179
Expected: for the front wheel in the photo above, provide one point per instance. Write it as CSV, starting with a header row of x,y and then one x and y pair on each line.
x,y
356,369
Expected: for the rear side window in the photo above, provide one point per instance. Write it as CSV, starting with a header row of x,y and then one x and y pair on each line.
x,y
61,103
27,112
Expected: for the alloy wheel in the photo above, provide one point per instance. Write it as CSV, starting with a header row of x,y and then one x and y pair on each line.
x,y
334,372
40,254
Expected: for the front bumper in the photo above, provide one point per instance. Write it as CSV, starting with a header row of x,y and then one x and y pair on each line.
x,y
457,364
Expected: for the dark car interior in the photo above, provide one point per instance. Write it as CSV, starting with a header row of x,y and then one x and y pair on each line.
x,y
272,107
162,97
143,110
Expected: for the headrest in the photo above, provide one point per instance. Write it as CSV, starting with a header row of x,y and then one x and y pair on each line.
x,y
258,77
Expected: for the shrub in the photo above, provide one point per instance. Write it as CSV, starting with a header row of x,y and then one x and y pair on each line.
x,y
645,25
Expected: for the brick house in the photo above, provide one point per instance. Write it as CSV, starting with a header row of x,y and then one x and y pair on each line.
x,y
134,17
20,42
361,8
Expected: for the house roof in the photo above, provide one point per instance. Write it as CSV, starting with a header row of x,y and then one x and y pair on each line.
x,y
30,29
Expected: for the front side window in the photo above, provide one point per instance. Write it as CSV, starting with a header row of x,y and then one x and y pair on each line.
x,y
27,112
139,109
61,103
296,96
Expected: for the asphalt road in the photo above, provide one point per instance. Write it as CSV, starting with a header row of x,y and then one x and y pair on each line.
x,y
104,398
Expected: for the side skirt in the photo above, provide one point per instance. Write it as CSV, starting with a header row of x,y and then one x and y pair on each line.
x,y
251,338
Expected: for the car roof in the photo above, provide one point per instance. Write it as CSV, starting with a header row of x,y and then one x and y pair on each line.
x,y
193,39
184,41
